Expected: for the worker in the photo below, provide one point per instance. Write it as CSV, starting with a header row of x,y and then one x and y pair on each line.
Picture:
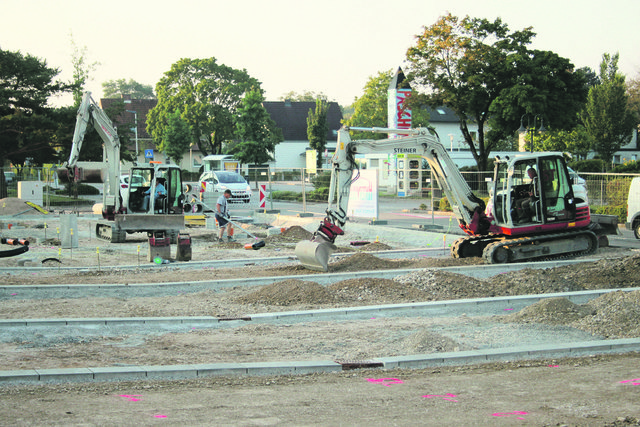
x,y
222,216
524,205
159,193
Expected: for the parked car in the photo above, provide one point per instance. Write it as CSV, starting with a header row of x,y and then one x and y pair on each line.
x,y
633,207
217,182
579,185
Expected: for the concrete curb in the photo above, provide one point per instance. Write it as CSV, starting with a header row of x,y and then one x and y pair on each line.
x,y
443,308
177,372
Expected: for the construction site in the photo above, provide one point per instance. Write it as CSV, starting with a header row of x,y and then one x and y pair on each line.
x,y
103,333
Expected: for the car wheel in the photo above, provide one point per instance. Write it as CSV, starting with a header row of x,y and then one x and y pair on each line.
x,y
636,230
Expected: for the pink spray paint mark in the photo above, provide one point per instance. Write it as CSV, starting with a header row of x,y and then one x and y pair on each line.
x,y
387,382
160,416
14,294
635,381
508,309
508,414
554,366
445,397
131,397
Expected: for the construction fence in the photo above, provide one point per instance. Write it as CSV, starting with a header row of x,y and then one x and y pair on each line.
x,y
43,187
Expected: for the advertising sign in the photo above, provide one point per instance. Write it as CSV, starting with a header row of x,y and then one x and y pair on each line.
x,y
363,199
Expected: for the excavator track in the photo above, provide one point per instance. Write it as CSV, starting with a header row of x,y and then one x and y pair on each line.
x,y
551,246
471,246
110,233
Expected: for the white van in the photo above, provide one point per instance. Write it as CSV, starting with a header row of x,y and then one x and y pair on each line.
x,y
633,207
215,182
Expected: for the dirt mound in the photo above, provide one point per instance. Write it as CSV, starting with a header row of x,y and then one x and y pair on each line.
x,y
372,290
602,274
617,315
364,261
291,234
442,285
553,311
289,292
613,315
297,232
375,246
429,342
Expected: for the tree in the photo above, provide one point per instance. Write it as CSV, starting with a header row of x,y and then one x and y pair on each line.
x,y
483,72
207,94
607,117
27,123
81,70
370,110
306,96
633,89
576,141
176,138
115,88
317,128
256,132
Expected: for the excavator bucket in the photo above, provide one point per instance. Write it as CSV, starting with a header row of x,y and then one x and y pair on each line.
x,y
314,254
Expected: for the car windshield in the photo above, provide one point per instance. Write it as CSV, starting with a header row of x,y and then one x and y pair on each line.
x,y
230,178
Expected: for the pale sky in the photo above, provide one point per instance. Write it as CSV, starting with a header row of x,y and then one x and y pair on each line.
x,y
329,46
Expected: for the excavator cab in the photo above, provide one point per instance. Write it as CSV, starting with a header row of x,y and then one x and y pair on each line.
x,y
142,188
532,190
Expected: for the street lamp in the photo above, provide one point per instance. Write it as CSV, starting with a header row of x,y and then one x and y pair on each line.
x,y
135,115
530,128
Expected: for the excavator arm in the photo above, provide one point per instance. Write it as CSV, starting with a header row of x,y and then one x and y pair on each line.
x,y
468,209
90,112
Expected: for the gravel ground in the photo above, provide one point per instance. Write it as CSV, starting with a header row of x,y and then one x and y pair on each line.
x,y
611,316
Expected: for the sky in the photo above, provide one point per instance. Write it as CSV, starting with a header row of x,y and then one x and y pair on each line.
x,y
328,46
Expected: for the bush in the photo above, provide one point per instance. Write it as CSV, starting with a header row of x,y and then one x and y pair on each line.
x,y
628,167
617,191
592,165
286,195
323,179
444,205
620,211
318,195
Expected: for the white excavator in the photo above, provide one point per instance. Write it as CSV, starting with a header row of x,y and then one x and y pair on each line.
x,y
533,212
138,210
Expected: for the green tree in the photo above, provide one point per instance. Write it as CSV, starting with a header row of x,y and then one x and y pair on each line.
x,y
576,141
27,123
370,109
82,70
256,132
482,71
306,96
317,128
633,89
176,138
607,117
115,88
207,94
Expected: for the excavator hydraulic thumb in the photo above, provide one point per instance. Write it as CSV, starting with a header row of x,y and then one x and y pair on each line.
x,y
314,254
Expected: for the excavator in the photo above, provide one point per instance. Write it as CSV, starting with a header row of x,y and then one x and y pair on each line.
x,y
532,212
129,212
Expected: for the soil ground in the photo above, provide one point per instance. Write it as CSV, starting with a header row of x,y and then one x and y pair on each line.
x,y
592,391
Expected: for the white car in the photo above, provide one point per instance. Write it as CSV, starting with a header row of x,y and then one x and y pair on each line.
x,y
218,181
579,185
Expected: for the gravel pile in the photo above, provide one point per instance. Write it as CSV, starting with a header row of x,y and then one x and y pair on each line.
x,y
289,292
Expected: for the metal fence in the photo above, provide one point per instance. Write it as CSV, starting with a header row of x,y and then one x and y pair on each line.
x,y
602,189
